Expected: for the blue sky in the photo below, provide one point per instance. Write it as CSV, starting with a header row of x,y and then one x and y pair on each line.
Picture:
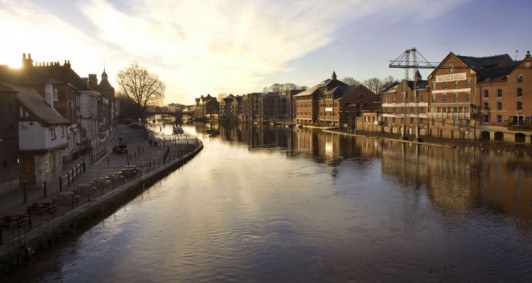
x,y
229,46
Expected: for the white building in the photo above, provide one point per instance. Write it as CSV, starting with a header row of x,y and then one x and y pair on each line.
x,y
42,137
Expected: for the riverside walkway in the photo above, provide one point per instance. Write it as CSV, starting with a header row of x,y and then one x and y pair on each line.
x,y
87,179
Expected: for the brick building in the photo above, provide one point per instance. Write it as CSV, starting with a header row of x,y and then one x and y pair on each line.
x,y
506,103
455,96
206,108
405,107
334,103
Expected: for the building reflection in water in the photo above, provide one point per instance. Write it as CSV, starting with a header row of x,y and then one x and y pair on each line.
x,y
457,180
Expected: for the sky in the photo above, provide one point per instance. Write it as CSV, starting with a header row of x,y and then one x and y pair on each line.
x,y
235,46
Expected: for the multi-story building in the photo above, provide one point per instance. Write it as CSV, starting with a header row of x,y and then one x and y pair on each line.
x,y
334,103
42,136
231,107
455,98
9,166
251,107
506,103
405,107
66,87
206,108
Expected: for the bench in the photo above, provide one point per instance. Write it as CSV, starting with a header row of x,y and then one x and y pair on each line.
x,y
42,208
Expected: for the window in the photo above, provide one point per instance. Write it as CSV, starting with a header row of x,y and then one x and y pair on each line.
x,y
455,97
499,93
455,84
486,93
433,97
486,106
468,97
519,91
411,120
519,105
393,120
468,83
445,85
499,119
450,68
499,105
519,78
52,133
433,122
486,118
434,86
444,97
455,123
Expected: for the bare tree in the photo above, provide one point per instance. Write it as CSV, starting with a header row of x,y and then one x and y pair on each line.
x,y
373,84
351,81
141,86
388,81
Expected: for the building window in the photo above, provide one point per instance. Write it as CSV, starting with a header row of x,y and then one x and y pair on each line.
x,y
433,97
455,97
519,105
499,119
433,122
486,106
455,123
486,119
468,83
455,84
444,97
450,68
433,86
499,105
499,93
468,97
519,78
411,120
445,85
486,93
52,133
519,91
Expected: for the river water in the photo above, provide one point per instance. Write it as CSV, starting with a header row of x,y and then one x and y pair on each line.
x,y
295,205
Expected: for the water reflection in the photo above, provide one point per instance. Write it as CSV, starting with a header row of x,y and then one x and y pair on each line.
x,y
273,204
457,179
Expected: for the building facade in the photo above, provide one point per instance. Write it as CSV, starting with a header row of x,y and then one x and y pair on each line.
x,y
405,107
9,158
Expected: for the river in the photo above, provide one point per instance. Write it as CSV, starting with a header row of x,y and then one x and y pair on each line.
x,y
295,205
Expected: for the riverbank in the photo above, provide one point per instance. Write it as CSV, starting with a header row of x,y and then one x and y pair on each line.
x,y
516,149
100,189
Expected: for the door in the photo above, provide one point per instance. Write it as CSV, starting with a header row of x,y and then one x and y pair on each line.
x,y
27,169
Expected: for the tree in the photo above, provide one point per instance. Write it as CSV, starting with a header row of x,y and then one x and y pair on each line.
x,y
387,82
351,81
141,86
373,84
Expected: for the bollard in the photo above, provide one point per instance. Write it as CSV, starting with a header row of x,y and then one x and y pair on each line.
x,y
24,191
45,192
60,184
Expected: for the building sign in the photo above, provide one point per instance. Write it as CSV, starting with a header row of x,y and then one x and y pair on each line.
x,y
451,77
328,109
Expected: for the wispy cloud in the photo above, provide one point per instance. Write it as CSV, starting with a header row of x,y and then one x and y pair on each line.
x,y
199,47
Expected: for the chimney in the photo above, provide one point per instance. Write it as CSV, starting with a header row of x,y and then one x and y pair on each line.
x,y
49,95
93,81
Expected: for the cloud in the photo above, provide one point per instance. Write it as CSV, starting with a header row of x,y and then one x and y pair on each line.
x,y
198,47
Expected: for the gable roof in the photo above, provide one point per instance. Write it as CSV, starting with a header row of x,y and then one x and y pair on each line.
x,y
35,104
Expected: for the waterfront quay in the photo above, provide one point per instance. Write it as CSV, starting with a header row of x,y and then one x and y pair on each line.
x,y
91,187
